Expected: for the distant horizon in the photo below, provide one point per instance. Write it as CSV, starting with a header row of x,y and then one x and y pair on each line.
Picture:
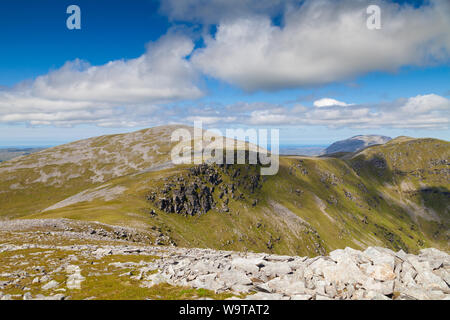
x,y
282,64
287,145
286,141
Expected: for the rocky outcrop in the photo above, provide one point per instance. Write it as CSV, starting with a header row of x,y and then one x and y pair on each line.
x,y
206,187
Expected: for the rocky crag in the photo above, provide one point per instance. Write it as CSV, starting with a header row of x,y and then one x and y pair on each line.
x,y
204,188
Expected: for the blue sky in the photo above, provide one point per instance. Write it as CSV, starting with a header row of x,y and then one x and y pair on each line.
x,y
136,64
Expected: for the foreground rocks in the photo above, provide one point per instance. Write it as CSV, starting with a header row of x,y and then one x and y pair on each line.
x,y
376,273
61,263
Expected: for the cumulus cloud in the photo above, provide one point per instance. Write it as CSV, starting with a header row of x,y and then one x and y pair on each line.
x,y
328,102
428,111
324,41
317,42
426,103
78,92
210,120
423,111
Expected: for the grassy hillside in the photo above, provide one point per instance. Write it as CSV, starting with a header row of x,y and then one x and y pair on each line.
x,y
394,195
32,183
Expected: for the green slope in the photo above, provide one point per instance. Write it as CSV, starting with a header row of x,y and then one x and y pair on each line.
x,y
394,195
32,183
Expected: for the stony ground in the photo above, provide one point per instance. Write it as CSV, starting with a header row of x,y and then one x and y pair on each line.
x,y
63,259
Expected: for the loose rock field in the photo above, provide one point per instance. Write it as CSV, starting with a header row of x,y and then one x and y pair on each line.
x,y
73,262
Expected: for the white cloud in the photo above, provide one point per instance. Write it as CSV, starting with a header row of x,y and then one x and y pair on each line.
x,y
420,112
426,103
423,111
318,42
324,41
266,118
210,120
328,102
106,94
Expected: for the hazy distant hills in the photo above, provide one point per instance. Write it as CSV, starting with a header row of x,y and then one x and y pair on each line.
x,y
356,143
348,145
394,195
302,150
11,153
352,144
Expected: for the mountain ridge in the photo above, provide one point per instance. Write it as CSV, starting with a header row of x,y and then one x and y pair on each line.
x,y
312,206
356,143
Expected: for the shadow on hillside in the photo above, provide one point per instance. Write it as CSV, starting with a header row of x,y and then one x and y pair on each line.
x,y
436,198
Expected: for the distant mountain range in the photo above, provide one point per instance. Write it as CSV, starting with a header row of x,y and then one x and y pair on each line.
x,y
394,195
356,143
353,144
305,150
11,153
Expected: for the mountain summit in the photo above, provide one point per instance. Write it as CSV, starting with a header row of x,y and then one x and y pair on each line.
x,y
356,143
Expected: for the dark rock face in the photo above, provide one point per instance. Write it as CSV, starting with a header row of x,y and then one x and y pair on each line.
x,y
379,163
187,199
204,189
